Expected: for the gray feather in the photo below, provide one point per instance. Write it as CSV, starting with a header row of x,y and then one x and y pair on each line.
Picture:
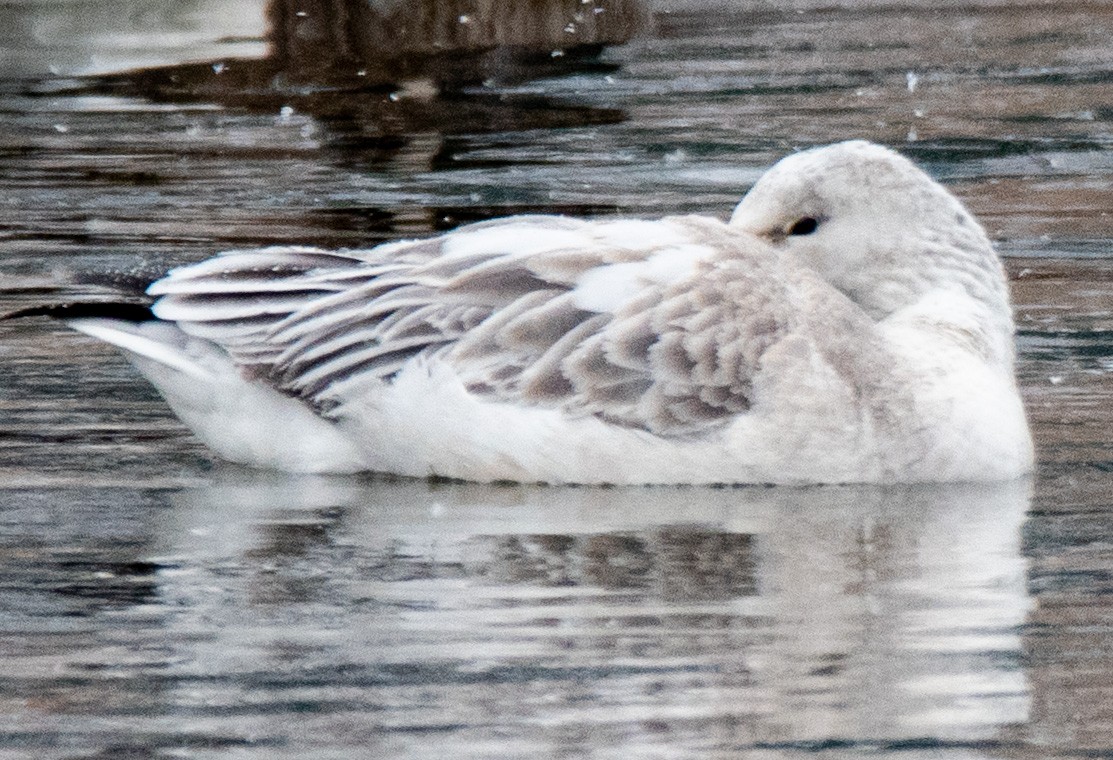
x,y
676,357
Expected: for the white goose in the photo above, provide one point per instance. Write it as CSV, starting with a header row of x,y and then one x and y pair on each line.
x,y
851,323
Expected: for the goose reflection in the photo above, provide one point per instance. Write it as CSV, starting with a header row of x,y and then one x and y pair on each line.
x,y
727,619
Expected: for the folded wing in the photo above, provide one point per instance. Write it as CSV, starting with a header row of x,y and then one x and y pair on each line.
x,y
659,326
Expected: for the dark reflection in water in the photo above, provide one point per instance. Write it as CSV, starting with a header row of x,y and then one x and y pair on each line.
x,y
371,73
678,562
352,45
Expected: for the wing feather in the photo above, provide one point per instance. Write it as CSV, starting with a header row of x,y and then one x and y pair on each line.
x,y
545,380
657,326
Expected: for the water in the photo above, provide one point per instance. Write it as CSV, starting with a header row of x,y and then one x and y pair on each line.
x,y
299,619
157,604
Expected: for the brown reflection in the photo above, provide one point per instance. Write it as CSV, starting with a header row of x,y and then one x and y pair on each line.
x,y
373,71
673,563
707,564
450,42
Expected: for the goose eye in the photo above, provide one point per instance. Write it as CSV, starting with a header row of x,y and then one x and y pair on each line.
x,y
805,226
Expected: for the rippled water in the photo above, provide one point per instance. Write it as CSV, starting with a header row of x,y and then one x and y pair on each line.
x,y
155,604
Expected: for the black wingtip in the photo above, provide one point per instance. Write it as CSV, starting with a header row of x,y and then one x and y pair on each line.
x,y
123,310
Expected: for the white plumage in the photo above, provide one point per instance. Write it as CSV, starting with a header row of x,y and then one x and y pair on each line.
x,y
850,323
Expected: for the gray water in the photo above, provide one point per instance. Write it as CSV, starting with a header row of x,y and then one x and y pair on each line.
x,y
155,604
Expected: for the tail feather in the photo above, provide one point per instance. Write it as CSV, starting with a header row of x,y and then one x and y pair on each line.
x,y
241,419
159,342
